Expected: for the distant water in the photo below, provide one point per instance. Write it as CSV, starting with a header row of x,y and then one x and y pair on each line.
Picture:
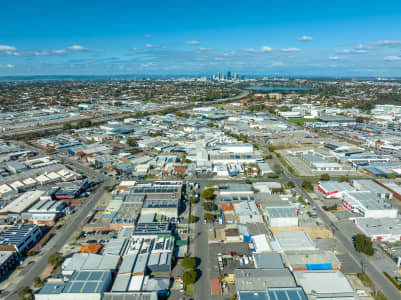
x,y
277,88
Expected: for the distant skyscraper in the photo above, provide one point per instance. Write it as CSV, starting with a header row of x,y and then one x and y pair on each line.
x,y
228,75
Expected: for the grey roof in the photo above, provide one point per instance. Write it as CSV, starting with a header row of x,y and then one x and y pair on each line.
x,y
290,293
281,212
52,289
130,296
116,246
261,279
88,282
327,281
268,260
128,263
121,283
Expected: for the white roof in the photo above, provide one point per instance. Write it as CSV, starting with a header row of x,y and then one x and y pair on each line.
x,y
136,283
23,202
5,189
323,282
260,243
128,183
29,181
42,178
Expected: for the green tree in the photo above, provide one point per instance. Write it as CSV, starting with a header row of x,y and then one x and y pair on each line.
x,y
344,179
325,177
307,186
290,184
188,263
37,282
209,206
131,142
67,126
209,217
363,244
208,194
192,219
193,199
55,260
26,294
189,277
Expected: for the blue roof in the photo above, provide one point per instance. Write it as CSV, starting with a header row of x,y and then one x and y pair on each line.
x,y
51,288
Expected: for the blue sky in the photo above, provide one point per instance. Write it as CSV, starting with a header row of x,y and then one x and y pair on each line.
x,y
315,38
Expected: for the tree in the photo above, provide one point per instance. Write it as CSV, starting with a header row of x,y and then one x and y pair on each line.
x,y
192,219
188,263
189,277
344,179
363,244
248,181
290,184
67,126
55,260
209,206
26,293
209,217
193,199
208,194
131,142
37,282
325,177
307,186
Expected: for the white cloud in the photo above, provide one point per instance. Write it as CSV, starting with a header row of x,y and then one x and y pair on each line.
x,y
7,48
148,36
352,51
335,58
249,50
290,50
60,51
392,58
193,42
277,64
266,49
10,66
305,38
77,48
388,43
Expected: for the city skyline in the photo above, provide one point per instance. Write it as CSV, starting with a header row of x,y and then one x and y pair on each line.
x,y
93,38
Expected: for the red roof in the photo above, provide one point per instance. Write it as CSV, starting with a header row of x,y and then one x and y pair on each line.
x,y
215,287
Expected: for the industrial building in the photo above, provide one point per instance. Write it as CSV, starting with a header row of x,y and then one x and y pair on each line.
x,y
334,189
380,229
369,204
284,216
82,285
260,279
324,283
285,293
9,260
21,238
312,260
295,240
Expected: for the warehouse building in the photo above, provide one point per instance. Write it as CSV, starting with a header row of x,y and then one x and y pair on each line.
x,y
295,240
373,187
380,229
90,262
369,205
9,260
268,260
312,260
260,279
83,285
284,216
23,202
21,237
235,189
285,293
334,189
324,284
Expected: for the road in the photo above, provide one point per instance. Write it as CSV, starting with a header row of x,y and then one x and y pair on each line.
x,y
201,246
59,240
117,116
